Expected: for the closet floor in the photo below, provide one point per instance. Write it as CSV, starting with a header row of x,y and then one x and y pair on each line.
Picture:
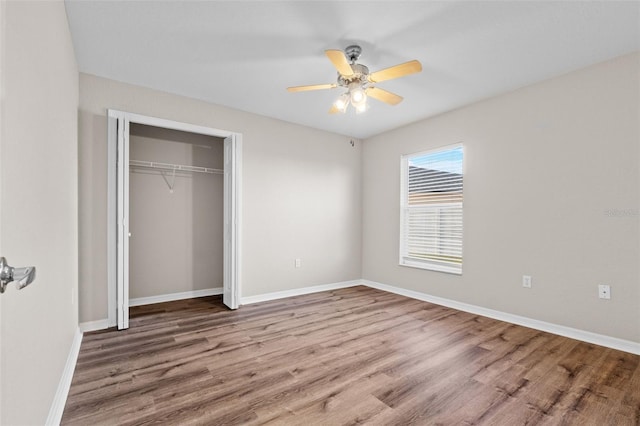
x,y
350,356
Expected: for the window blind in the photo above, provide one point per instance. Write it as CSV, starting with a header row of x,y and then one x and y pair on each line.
x,y
431,221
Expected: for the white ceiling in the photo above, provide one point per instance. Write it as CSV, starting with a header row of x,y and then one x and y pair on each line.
x,y
244,54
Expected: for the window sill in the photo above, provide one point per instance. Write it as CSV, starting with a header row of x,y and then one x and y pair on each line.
x,y
435,268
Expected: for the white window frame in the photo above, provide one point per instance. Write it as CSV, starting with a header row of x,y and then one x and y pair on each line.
x,y
404,206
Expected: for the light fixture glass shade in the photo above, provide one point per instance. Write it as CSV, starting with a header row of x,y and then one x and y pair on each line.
x,y
362,107
342,102
358,96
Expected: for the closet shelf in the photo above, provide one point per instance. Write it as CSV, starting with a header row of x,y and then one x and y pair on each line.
x,y
174,167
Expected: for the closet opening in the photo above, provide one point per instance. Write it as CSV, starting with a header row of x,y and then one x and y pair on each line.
x,y
174,213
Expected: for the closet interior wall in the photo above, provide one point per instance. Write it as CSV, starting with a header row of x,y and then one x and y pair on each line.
x,y
176,222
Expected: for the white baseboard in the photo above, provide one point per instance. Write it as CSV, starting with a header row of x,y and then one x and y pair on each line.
x,y
60,397
298,292
94,325
175,296
585,336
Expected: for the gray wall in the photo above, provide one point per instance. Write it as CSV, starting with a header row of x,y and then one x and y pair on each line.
x,y
301,193
545,168
38,205
176,242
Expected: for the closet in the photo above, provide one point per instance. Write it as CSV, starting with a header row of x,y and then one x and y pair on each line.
x,y
175,214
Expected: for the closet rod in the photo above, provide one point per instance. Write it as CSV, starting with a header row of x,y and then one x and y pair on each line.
x,y
174,167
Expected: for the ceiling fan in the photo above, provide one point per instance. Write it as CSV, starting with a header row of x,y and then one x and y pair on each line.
x,y
358,81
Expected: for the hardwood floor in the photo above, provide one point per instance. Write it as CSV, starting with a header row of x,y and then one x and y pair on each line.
x,y
351,356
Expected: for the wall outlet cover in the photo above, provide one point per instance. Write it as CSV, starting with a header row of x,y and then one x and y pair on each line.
x,y
604,291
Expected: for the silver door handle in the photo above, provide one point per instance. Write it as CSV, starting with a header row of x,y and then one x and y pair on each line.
x,y
23,276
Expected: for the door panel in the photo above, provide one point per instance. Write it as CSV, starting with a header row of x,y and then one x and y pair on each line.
x,y
112,218
123,224
230,296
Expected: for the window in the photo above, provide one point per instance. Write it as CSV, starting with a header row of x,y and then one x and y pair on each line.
x,y
431,210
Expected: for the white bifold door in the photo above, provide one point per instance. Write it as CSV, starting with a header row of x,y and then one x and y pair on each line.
x,y
230,293
118,240
123,224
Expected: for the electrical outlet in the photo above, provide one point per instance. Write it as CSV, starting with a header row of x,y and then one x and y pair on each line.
x,y
298,263
604,291
526,281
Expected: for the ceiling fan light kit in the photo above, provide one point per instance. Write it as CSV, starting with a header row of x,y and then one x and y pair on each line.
x,y
359,82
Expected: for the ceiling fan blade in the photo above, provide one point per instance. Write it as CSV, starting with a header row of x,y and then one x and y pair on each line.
x,y
384,96
396,71
311,87
339,61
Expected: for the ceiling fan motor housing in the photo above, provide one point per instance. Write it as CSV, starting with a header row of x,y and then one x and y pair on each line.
x,y
360,74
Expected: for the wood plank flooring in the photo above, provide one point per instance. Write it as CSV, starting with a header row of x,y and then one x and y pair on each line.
x,y
345,357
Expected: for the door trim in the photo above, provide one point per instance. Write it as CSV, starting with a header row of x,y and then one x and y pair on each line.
x,y
232,263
